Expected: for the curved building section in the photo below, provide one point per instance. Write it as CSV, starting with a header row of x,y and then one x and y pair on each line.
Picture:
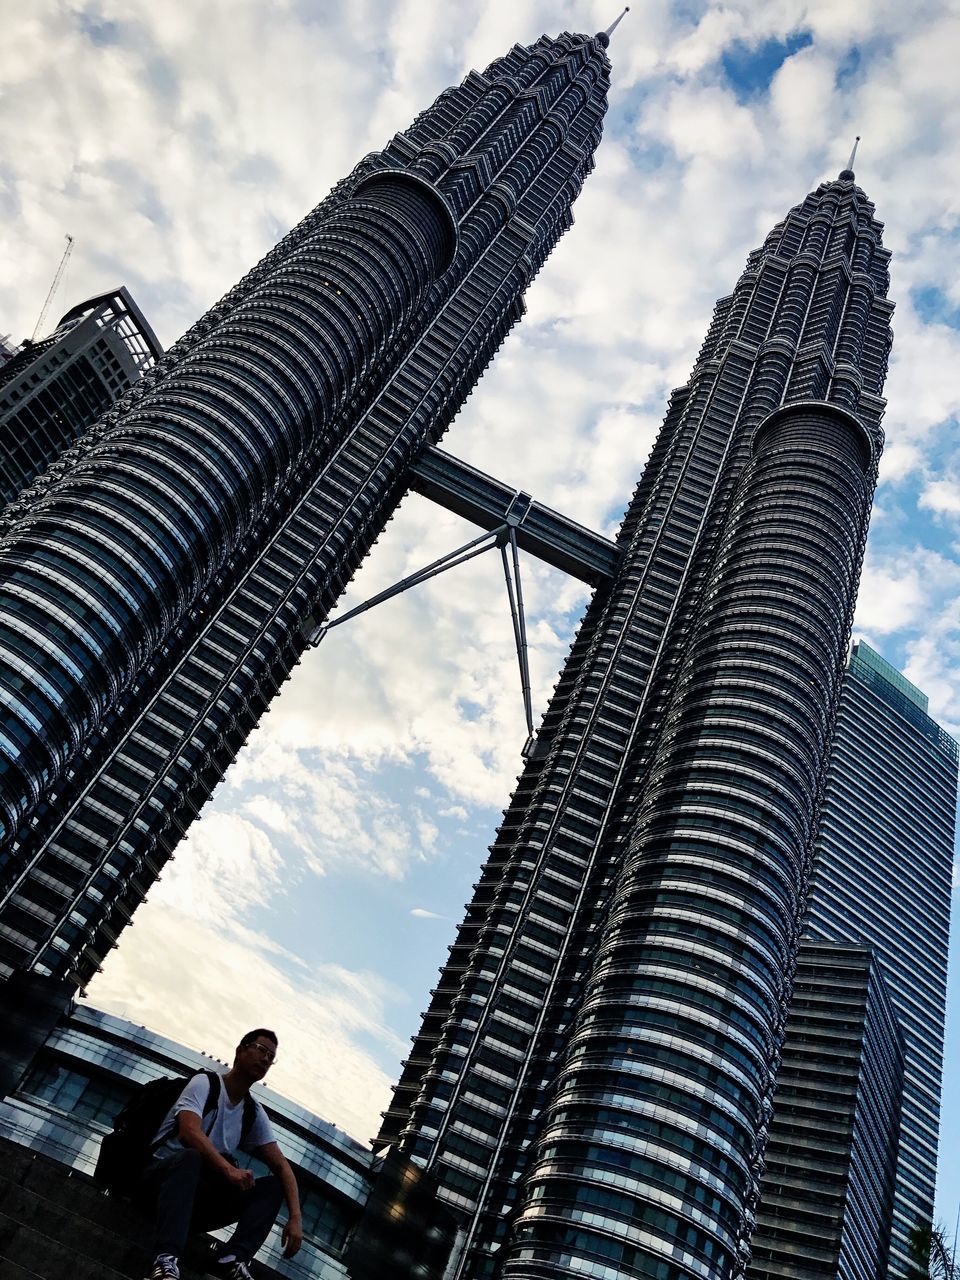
x,y
52,390
112,554
650,1149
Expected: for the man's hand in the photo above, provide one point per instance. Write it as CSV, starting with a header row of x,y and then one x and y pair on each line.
x,y
242,1179
292,1236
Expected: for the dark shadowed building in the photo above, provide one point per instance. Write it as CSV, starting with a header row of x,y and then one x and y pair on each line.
x,y
827,1192
53,389
882,878
84,1073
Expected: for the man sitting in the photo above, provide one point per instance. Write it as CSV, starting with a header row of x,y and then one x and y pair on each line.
x,y
192,1182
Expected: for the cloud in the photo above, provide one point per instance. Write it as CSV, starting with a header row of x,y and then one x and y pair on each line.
x,y
422,913
193,969
890,597
225,866
454,811
204,985
327,804
942,496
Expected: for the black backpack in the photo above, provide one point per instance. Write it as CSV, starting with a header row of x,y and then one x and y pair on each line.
x,y
125,1151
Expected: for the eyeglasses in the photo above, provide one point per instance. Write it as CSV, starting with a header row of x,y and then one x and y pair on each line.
x,y
265,1050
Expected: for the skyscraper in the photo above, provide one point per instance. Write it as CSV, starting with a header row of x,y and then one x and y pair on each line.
x,y
591,1083
53,389
158,585
826,1203
882,878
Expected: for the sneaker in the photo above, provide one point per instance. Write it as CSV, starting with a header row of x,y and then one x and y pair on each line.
x,y
164,1268
235,1269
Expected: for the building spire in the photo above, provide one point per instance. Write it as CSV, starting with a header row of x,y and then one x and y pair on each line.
x,y
847,173
604,36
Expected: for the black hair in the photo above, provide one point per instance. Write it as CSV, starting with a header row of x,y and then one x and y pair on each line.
x,y
258,1031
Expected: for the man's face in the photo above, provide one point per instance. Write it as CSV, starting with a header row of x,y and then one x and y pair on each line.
x,y
257,1057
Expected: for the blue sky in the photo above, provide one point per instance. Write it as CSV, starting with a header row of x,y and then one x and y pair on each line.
x,y
177,142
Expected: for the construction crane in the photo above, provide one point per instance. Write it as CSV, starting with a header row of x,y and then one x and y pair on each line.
x,y
53,288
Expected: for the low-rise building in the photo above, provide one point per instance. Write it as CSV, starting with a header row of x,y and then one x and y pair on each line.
x,y
90,1065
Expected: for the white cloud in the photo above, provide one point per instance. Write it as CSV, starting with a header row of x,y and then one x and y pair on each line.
x,y
454,811
204,985
942,496
890,598
225,866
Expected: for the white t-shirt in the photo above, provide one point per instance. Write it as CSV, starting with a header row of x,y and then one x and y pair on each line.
x,y
222,1125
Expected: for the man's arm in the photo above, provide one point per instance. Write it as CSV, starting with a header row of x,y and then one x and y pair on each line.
x,y
190,1132
277,1163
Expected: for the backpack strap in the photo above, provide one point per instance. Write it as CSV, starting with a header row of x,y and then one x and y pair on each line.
x,y
213,1097
249,1116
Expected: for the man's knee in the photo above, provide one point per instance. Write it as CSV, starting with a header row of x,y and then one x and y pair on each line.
x,y
270,1190
183,1167
187,1163
188,1158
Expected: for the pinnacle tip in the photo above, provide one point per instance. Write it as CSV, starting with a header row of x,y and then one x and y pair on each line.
x,y
848,171
604,36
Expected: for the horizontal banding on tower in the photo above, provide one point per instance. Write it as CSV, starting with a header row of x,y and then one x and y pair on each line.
x,y
669,1067
421,207
780,426
130,535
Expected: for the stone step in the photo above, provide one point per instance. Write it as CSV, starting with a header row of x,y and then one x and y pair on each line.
x,y
40,1256
72,1195
13,1271
14,1160
47,1178
32,1250
61,1223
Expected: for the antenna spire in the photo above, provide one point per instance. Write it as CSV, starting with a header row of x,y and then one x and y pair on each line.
x,y
604,36
616,22
848,171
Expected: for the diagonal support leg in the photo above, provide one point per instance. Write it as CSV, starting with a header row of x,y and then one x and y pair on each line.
x,y
475,547
503,537
511,573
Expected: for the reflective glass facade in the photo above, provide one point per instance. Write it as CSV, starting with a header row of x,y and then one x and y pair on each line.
x,y
87,1071
592,1081
158,589
882,877
52,390
829,1166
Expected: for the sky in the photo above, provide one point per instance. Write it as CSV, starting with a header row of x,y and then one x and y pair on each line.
x,y
177,142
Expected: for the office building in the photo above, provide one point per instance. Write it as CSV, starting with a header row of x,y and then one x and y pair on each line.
x,y
592,1081
157,590
882,878
85,1072
826,1202
53,389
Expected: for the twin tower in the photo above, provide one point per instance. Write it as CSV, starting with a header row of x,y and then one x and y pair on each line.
x,y
592,1082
